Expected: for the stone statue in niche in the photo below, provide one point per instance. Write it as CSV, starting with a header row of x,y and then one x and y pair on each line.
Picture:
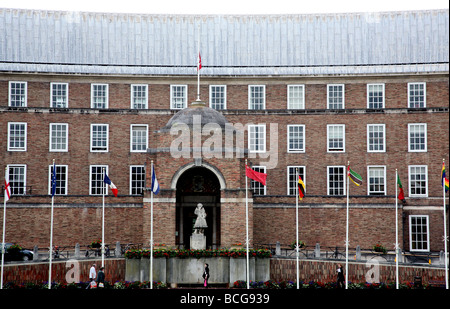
x,y
198,239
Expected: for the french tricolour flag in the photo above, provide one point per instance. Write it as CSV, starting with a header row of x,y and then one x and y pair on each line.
x,y
111,185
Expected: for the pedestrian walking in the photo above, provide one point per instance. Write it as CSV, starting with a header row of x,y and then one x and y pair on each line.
x,y
92,277
206,275
101,278
340,276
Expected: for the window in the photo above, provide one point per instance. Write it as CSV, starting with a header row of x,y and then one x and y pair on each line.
x,y
336,137
375,96
17,136
59,137
296,138
335,95
17,178
178,96
257,138
293,180
257,187
61,179
96,176
418,233
59,95
336,180
99,137
418,180
376,180
139,96
137,179
99,96
417,137
296,96
17,94
376,138
139,137
218,96
256,97
416,95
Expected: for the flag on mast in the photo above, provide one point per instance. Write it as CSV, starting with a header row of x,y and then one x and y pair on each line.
x,y
354,176
155,184
7,186
401,194
111,185
54,179
301,188
199,62
256,176
445,183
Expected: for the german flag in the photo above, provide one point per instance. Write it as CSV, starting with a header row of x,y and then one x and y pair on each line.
x,y
301,188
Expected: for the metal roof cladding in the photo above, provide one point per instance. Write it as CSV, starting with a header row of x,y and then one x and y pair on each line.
x,y
111,43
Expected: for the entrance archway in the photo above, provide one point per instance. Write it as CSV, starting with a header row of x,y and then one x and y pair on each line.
x,y
197,185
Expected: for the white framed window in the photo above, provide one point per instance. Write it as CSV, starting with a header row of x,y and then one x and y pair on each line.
x,y
335,96
61,179
376,138
336,138
417,95
296,96
417,137
218,96
178,96
99,95
96,176
17,178
59,137
256,97
17,94
296,138
137,179
139,96
59,95
336,180
257,187
17,136
292,180
257,138
376,180
375,96
419,236
418,181
139,137
99,137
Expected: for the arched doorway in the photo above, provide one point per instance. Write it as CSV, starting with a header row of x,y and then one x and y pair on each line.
x,y
197,185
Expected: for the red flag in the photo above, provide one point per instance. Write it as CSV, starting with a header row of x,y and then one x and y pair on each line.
x,y
256,176
199,62
401,195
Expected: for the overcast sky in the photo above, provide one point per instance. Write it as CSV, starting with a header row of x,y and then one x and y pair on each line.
x,y
227,6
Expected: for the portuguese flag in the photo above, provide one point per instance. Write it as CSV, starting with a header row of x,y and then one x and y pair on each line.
x,y
354,176
401,194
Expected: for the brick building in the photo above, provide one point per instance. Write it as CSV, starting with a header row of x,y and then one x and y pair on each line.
x,y
312,92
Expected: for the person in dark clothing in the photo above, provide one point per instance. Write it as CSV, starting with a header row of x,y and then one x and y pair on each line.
x,y
101,278
340,276
206,275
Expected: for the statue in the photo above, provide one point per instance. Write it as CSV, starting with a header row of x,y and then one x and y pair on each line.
x,y
200,222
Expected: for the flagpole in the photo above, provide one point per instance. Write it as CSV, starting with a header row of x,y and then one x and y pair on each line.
x,y
4,221
151,229
396,229
51,231
445,232
296,218
103,218
198,64
346,237
246,224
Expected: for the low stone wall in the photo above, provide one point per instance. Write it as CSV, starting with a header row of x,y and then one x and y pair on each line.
x,y
222,270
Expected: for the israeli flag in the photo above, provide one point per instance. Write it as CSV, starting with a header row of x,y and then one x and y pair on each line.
x,y
155,184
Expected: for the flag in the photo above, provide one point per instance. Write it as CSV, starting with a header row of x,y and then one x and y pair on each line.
x,y
301,188
54,180
354,177
7,186
199,66
401,194
444,179
257,176
111,185
155,184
